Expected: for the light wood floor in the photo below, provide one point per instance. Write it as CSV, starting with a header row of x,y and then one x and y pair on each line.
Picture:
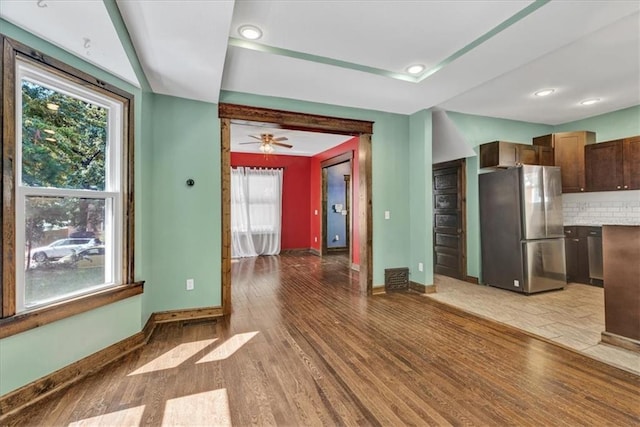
x,y
572,317
303,348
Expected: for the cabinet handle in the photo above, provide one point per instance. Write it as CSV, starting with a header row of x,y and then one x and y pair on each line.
x,y
576,240
626,186
619,187
582,189
568,231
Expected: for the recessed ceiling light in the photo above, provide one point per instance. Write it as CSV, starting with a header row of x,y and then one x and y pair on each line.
x,y
544,92
53,107
250,32
415,69
590,101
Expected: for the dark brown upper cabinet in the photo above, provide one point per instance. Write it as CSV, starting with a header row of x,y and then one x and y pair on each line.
x,y
503,154
613,165
568,153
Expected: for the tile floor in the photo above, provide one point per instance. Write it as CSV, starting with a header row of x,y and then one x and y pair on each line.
x,y
572,317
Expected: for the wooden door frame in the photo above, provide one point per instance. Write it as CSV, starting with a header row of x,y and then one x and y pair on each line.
x,y
341,158
306,122
461,164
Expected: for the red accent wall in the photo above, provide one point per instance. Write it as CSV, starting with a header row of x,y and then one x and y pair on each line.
x,y
316,195
296,201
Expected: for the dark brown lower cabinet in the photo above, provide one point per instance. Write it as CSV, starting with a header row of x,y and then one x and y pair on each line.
x,y
576,254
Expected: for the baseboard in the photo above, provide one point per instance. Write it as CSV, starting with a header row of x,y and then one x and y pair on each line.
x,y
423,289
315,252
471,279
296,251
379,290
355,267
620,341
37,390
188,314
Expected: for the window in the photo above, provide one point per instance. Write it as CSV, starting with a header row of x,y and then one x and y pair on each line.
x,y
69,186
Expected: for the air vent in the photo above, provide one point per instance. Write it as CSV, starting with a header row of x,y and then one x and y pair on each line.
x,y
396,279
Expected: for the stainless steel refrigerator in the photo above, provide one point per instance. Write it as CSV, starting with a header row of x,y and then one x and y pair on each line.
x,y
521,229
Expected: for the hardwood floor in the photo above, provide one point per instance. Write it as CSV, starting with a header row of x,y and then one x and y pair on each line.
x,y
302,347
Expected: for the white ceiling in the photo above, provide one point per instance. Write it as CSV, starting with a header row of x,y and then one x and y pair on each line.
x,y
490,56
304,143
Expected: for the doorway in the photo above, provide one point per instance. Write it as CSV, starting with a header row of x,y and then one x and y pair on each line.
x,y
336,204
312,123
449,219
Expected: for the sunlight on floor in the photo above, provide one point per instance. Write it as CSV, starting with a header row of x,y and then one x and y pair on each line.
x,y
174,357
210,408
126,417
228,347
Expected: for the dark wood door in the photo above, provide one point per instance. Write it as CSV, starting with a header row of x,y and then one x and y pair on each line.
x,y
604,166
449,244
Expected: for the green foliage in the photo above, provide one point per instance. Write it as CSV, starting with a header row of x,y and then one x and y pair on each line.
x,y
63,148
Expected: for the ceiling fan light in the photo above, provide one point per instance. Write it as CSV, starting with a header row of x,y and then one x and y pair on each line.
x,y
544,92
250,32
590,101
415,69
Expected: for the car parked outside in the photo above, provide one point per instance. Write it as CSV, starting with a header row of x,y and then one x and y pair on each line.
x,y
60,248
84,258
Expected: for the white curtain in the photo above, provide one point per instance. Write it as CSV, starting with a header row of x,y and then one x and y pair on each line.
x,y
256,211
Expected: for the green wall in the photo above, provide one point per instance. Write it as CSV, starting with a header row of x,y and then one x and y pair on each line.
x,y
185,222
615,125
37,352
478,130
390,156
420,200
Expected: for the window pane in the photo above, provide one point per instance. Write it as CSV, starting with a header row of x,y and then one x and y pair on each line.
x,y
64,241
63,140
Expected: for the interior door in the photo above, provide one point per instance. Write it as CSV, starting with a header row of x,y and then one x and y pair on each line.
x,y
449,243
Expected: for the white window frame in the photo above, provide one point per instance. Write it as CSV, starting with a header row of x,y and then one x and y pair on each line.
x,y
112,193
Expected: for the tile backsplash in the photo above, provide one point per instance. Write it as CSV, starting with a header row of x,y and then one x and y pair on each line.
x,y
607,207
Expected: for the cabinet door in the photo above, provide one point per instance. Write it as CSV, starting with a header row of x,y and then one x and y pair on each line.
x,y
527,154
631,167
545,156
498,154
569,155
571,253
604,170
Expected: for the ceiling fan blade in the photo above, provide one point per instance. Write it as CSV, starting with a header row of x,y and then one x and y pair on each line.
x,y
250,142
280,144
256,137
282,138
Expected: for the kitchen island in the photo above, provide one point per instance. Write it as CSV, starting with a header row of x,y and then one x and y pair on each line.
x,y
621,268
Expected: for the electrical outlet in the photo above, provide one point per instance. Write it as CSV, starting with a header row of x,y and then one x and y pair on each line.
x,y
190,284
420,266
337,237
387,214
315,212
516,283
315,239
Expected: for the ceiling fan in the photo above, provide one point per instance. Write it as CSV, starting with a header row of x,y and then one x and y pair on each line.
x,y
267,141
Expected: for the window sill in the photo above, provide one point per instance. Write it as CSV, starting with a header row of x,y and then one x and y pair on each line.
x,y
33,319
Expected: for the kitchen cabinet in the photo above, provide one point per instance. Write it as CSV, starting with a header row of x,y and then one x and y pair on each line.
x,y
621,246
613,165
568,154
576,254
503,154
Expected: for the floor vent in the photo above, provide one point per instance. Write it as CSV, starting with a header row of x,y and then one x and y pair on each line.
x,y
396,279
